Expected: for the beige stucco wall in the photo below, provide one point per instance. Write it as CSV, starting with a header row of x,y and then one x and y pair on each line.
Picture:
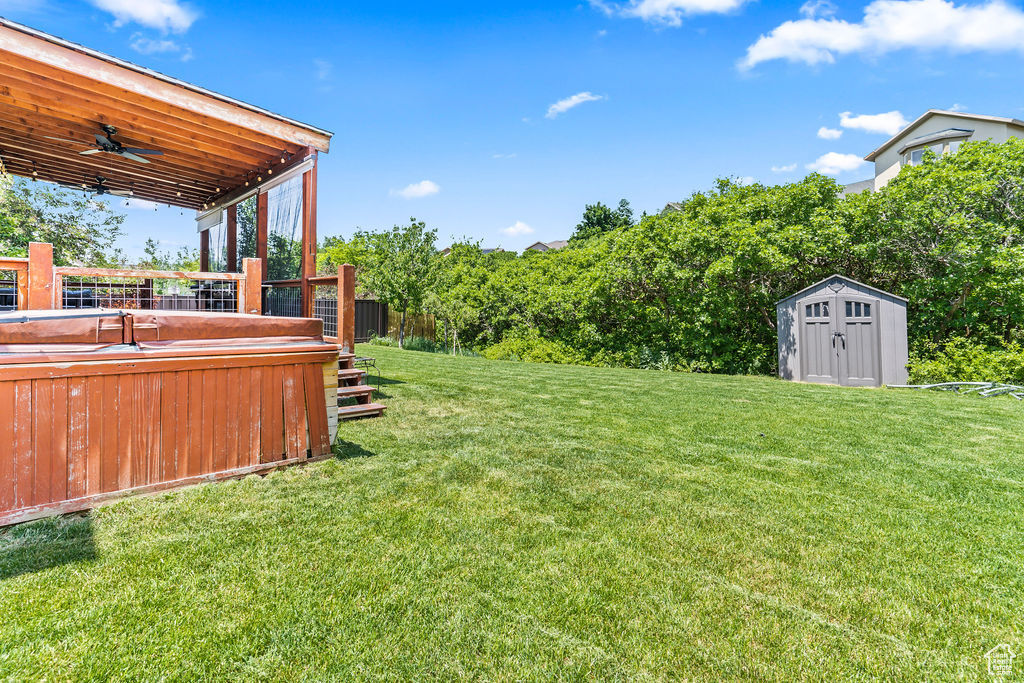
x,y
888,163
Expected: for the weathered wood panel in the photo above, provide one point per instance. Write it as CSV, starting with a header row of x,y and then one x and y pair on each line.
x,y
67,442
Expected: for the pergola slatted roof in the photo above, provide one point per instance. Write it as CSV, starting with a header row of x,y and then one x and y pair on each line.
x,y
211,144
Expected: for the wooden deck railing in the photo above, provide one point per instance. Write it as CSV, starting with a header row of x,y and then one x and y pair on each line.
x,y
43,286
16,280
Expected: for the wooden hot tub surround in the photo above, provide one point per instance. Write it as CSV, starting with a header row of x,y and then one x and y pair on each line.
x,y
98,404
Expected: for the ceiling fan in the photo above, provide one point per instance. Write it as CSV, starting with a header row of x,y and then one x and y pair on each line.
x,y
106,143
100,189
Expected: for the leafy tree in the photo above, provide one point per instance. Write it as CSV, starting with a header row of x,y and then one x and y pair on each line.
x,y
185,259
335,251
397,267
82,229
599,219
456,282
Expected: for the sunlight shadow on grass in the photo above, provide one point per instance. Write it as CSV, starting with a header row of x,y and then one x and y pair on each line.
x,y
48,543
346,450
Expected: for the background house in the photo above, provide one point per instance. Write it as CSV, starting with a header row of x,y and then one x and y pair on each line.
x,y
938,130
547,246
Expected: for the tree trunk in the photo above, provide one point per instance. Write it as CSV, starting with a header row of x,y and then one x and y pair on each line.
x,y
455,339
401,332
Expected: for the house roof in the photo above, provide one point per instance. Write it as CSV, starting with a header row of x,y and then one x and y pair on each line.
x,y
552,246
932,112
837,276
56,97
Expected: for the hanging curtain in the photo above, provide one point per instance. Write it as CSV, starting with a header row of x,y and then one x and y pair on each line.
x,y
246,225
284,230
216,226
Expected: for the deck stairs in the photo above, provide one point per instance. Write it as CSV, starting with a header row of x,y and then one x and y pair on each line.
x,y
355,396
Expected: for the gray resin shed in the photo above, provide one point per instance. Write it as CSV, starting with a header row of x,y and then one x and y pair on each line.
x,y
840,331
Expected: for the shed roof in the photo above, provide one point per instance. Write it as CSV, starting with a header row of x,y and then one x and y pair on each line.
x,y
211,144
836,276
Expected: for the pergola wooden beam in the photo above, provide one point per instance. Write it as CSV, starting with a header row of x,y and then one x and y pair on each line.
x,y
211,143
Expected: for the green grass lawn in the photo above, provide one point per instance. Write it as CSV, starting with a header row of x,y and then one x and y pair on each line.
x,y
521,521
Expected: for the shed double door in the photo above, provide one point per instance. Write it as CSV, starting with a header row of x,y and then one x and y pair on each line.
x,y
839,340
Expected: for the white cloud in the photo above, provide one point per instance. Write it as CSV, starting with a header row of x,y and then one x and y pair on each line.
x,y
165,15
424,188
788,168
958,107
141,204
518,229
513,155
564,105
889,123
835,163
149,46
889,25
669,12
817,8
826,133
747,180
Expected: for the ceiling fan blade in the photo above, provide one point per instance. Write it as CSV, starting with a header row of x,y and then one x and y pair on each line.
x,y
101,140
74,142
138,150
119,193
134,157
91,151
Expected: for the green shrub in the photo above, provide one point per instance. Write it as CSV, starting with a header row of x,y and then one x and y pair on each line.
x,y
962,360
411,343
382,341
421,344
531,348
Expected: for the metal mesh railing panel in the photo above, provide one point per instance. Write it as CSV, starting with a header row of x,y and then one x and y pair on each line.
x,y
283,301
208,296
8,290
325,307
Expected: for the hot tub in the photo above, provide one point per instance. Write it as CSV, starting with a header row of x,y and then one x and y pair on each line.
x,y
95,404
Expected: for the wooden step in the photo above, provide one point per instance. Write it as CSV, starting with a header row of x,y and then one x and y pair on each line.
x,y
347,378
346,361
360,392
361,410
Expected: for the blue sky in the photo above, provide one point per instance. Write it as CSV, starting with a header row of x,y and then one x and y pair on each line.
x,y
500,121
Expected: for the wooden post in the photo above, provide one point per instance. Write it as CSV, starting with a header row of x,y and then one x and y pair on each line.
x,y
204,251
22,276
347,308
40,276
308,236
251,300
232,266
261,232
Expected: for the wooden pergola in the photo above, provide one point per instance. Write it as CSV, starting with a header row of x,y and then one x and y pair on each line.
x,y
193,148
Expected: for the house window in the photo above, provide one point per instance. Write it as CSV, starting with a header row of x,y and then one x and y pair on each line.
x,y
954,146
